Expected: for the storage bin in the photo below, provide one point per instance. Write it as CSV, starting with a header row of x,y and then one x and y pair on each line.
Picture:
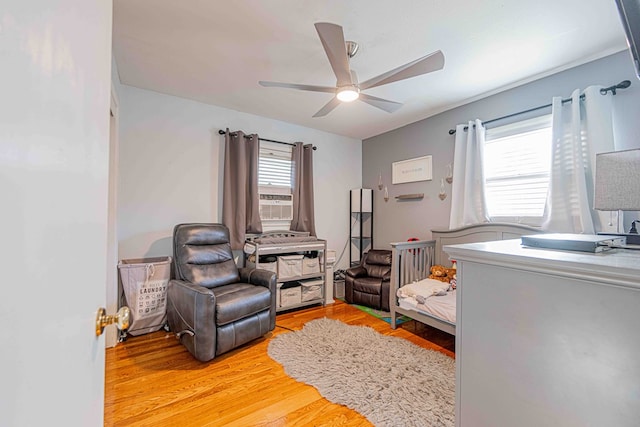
x,y
289,266
271,266
310,265
290,296
144,283
269,263
311,289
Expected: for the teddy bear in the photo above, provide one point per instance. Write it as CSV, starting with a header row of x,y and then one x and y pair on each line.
x,y
438,272
451,273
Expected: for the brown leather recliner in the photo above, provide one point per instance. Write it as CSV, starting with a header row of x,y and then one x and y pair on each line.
x,y
212,305
368,284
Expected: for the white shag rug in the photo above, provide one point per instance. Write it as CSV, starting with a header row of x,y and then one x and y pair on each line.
x,y
389,380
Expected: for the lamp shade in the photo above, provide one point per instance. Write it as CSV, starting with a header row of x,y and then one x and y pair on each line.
x,y
618,181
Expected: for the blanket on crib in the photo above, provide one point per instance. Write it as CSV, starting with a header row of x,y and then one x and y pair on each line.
x,y
423,289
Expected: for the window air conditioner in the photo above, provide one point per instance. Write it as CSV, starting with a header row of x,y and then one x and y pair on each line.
x,y
276,207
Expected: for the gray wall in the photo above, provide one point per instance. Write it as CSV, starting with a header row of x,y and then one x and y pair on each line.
x,y
399,220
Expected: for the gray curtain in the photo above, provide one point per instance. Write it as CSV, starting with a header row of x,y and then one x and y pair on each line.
x,y
302,179
240,208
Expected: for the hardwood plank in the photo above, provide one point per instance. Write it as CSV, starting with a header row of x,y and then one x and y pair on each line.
x,y
152,380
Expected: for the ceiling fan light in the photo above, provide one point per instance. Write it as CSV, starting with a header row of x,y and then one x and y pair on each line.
x,y
348,94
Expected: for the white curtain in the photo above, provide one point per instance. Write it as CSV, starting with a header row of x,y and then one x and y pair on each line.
x,y
468,203
580,130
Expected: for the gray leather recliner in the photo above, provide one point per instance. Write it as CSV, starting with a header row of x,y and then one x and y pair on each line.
x,y
212,305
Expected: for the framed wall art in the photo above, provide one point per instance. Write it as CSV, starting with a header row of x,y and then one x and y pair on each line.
x,y
412,170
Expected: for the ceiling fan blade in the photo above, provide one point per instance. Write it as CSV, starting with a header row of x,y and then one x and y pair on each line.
x,y
311,88
383,104
332,39
424,65
328,107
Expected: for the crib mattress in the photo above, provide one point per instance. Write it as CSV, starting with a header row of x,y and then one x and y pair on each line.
x,y
443,307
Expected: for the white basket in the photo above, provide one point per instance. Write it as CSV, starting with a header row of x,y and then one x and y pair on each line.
x,y
290,296
311,289
289,266
310,266
270,266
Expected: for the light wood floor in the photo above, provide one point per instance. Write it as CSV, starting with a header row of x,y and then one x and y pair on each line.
x,y
152,380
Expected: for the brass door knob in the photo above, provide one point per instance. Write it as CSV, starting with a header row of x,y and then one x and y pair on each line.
x,y
121,319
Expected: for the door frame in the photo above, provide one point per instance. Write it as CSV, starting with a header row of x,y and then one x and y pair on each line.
x,y
111,284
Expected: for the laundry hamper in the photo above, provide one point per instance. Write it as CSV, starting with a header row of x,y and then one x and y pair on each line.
x,y
144,285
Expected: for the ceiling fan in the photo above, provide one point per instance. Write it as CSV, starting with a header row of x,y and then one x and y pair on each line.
x,y
347,87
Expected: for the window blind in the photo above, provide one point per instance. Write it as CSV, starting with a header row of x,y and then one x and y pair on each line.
x,y
274,165
517,160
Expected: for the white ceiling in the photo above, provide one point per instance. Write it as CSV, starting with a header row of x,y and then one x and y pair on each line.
x,y
216,51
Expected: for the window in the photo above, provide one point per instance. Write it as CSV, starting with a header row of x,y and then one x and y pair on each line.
x,y
274,185
274,166
517,159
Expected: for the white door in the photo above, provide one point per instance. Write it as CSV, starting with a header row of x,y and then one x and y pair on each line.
x,y
55,60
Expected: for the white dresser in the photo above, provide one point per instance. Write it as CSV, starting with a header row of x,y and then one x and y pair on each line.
x,y
546,338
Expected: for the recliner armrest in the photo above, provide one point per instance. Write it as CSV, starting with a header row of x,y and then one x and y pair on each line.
x,y
182,286
266,278
191,309
356,272
258,276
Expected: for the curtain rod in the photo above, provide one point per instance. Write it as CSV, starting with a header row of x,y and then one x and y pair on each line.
x,y
622,85
222,132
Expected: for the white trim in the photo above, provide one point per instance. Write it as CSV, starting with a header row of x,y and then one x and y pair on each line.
x,y
111,282
519,127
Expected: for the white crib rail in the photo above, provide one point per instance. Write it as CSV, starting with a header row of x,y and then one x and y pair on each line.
x,y
411,261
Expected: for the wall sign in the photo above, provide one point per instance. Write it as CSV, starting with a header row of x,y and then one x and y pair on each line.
x,y
411,170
